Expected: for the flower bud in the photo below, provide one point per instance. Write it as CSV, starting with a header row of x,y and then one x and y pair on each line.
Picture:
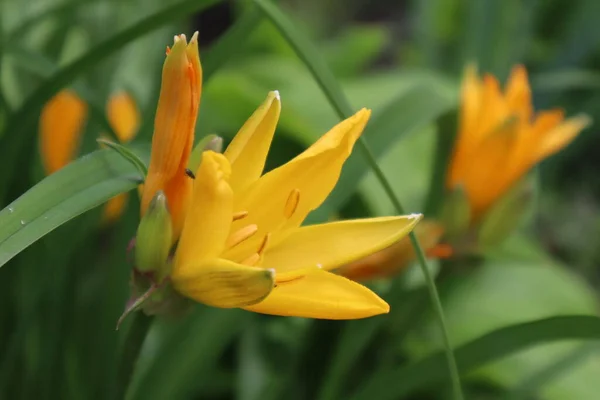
x,y
209,142
154,236
506,214
456,213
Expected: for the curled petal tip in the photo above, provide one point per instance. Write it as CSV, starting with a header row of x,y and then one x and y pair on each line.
x,y
275,93
194,38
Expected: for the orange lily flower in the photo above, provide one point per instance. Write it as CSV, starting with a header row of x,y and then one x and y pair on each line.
x,y
500,138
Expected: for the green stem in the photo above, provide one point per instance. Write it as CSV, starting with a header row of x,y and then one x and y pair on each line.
x,y
135,336
310,56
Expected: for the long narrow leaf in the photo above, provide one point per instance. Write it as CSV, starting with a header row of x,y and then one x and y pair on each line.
x,y
399,382
80,186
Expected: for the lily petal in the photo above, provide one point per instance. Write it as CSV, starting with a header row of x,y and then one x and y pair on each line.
x,y
321,294
518,93
123,115
248,150
115,207
553,140
334,244
222,283
61,124
281,199
208,219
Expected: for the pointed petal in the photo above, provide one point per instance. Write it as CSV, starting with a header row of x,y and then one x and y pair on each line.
x,y
248,150
281,199
222,283
395,258
123,115
321,294
334,244
557,138
61,124
518,93
209,215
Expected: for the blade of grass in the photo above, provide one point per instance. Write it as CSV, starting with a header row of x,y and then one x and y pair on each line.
x,y
430,372
321,73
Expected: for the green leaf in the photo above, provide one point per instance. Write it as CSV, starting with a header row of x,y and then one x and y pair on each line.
x,y
479,305
430,371
310,57
78,187
128,155
188,351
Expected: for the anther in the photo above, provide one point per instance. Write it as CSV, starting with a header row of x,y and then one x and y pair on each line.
x,y
291,204
189,173
264,244
241,235
240,215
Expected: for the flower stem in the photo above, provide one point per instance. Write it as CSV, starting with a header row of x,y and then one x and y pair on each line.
x,y
130,350
433,293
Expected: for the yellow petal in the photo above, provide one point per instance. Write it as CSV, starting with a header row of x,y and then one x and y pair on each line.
x,y
334,244
398,256
280,200
123,115
209,216
248,150
114,208
321,294
61,125
174,126
222,283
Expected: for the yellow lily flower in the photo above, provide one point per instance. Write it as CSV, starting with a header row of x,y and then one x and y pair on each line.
x,y
500,138
174,126
61,125
395,258
242,244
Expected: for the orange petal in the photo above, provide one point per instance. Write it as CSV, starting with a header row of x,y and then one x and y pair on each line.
x,y
61,126
123,115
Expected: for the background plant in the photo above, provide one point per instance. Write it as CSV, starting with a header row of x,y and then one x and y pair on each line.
x,y
62,295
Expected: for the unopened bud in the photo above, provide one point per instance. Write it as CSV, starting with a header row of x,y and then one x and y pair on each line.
x,y
153,240
456,213
208,142
506,214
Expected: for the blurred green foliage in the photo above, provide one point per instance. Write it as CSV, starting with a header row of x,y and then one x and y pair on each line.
x,y
61,297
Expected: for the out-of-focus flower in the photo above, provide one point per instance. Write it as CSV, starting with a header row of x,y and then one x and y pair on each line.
x,y
500,138
174,126
62,123
394,259
242,244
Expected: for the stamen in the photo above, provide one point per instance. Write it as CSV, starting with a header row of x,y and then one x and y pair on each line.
x,y
251,260
240,215
264,244
291,203
241,235
189,173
